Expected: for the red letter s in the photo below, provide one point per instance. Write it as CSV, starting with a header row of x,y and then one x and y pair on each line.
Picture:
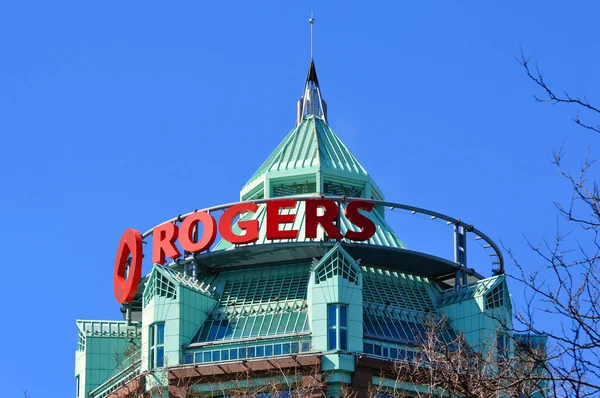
x,y
353,215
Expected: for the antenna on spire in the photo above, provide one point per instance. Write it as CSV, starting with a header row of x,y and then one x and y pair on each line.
x,y
311,21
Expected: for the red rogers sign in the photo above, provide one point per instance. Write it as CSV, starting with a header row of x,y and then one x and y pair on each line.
x,y
127,274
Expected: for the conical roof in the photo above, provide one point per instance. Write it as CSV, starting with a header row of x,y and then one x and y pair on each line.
x,y
312,144
311,159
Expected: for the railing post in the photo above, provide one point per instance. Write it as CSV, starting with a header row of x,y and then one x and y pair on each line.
x,y
460,254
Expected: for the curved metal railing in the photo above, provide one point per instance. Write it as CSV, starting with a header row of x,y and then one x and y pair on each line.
x,y
492,249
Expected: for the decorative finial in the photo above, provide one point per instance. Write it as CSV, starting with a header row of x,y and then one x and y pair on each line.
x,y
311,21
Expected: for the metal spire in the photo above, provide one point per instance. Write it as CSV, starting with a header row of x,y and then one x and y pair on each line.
x,y
311,21
311,102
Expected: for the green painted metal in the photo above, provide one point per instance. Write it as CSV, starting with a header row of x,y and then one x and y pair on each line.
x,y
310,144
262,311
100,351
285,307
397,290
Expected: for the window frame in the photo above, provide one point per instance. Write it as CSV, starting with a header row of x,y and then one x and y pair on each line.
x,y
155,360
337,331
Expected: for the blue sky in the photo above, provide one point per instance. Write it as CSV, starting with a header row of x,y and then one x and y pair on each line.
x,y
124,114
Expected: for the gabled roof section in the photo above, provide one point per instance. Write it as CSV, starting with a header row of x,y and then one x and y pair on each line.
x,y
494,289
336,262
163,282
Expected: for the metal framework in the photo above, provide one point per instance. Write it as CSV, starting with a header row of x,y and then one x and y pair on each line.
x,y
461,229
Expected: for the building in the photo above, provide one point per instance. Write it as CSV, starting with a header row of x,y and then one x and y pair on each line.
x,y
322,311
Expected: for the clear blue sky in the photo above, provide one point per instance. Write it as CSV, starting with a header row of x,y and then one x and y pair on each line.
x,y
124,114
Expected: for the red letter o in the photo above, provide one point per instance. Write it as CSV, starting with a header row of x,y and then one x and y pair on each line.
x,y
125,288
186,232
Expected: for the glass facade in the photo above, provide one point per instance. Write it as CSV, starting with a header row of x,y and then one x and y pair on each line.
x,y
392,327
394,352
253,326
267,287
395,289
256,350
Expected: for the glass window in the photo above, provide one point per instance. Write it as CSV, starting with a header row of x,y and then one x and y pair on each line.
x,y
264,328
77,377
285,318
260,351
501,347
207,356
331,315
286,348
237,332
377,350
157,345
160,333
188,358
214,328
343,316
233,354
225,355
277,349
331,341
268,350
204,332
337,327
343,339
368,348
223,330
160,357
198,357
248,327
401,354
216,355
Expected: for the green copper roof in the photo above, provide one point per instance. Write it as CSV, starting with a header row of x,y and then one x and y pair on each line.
x,y
495,284
311,144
